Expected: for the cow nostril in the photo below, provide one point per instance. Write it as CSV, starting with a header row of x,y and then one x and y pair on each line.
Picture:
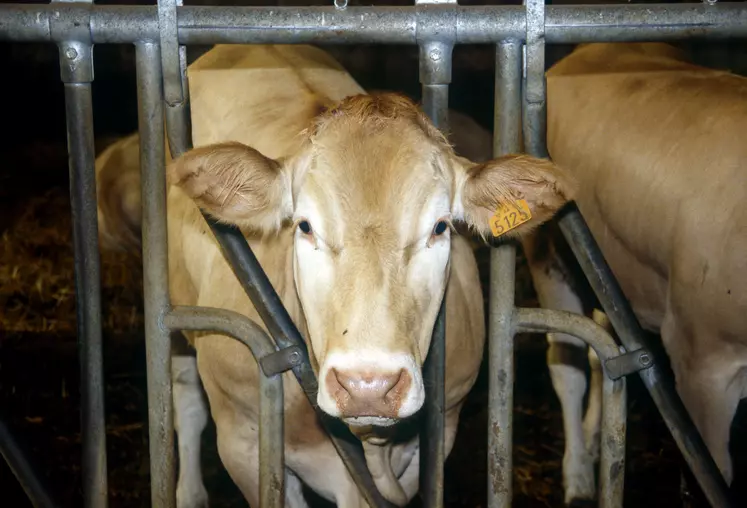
x,y
369,386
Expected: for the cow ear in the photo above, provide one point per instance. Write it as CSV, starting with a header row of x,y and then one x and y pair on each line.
x,y
235,184
510,195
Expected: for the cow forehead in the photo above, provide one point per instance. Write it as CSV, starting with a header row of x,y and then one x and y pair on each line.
x,y
377,183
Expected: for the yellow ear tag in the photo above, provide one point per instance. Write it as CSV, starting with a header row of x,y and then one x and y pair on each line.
x,y
509,216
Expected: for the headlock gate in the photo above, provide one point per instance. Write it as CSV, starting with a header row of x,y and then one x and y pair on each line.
x,y
519,34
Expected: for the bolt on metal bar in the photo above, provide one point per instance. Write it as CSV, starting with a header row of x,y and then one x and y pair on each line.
x,y
23,471
76,70
155,273
489,24
626,325
614,398
506,139
271,426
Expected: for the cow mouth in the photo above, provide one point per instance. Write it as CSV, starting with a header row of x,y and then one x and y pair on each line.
x,y
363,421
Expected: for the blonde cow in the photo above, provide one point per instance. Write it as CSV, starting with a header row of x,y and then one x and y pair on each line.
x,y
349,202
656,145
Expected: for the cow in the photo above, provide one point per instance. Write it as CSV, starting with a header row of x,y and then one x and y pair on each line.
x,y
655,145
351,203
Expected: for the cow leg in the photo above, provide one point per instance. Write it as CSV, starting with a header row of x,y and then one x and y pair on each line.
x,y
593,418
190,419
229,374
566,358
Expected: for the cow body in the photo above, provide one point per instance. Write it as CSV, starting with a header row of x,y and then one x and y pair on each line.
x,y
655,145
345,200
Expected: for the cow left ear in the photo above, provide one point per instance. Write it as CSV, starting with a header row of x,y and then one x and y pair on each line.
x,y
510,195
236,184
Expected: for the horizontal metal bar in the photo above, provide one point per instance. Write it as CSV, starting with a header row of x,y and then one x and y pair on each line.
x,y
564,24
271,402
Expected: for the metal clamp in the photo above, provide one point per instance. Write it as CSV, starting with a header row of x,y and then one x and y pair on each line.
x,y
73,39
281,361
173,56
628,363
535,115
436,34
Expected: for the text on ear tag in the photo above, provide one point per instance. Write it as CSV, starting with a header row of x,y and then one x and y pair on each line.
x,y
509,216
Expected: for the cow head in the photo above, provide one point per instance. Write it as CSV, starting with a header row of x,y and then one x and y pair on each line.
x,y
370,198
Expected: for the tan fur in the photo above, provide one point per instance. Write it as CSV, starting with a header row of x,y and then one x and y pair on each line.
x,y
268,121
656,145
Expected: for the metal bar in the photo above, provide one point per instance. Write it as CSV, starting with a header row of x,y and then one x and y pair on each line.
x,y
155,274
266,301
662,390
436,29
506,139
77,73
565,24
23,471
614,398
271,402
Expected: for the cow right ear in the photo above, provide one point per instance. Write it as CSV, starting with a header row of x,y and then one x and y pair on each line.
x,y
236,184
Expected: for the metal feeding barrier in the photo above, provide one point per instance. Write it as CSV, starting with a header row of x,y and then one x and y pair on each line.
x,y
519,33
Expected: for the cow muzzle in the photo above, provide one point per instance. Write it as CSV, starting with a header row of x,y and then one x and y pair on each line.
x,y
370,394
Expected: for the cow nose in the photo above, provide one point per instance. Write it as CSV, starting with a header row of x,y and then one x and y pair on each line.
x,y
368,394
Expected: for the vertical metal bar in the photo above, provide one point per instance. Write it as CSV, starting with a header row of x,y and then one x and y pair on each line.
x,y
155,273
506,139
436,104
77,73
435,76
616,306
612,459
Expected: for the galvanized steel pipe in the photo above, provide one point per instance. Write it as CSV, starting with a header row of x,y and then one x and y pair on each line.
x,y
565,24
506,140
155,274
76,69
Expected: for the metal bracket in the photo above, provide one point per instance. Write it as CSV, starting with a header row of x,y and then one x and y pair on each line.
x,y
73,40
282,360
436,34
173,56
628,363
534,52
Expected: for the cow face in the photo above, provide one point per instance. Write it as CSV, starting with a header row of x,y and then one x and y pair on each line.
x,y
370,199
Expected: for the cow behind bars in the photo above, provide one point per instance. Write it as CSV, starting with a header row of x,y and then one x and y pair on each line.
x,y
656,145
351,203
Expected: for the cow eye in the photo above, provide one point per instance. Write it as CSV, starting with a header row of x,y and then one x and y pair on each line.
x,y
440,228
305,227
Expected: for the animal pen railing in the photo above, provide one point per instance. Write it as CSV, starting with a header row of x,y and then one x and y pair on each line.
x,y
519,34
